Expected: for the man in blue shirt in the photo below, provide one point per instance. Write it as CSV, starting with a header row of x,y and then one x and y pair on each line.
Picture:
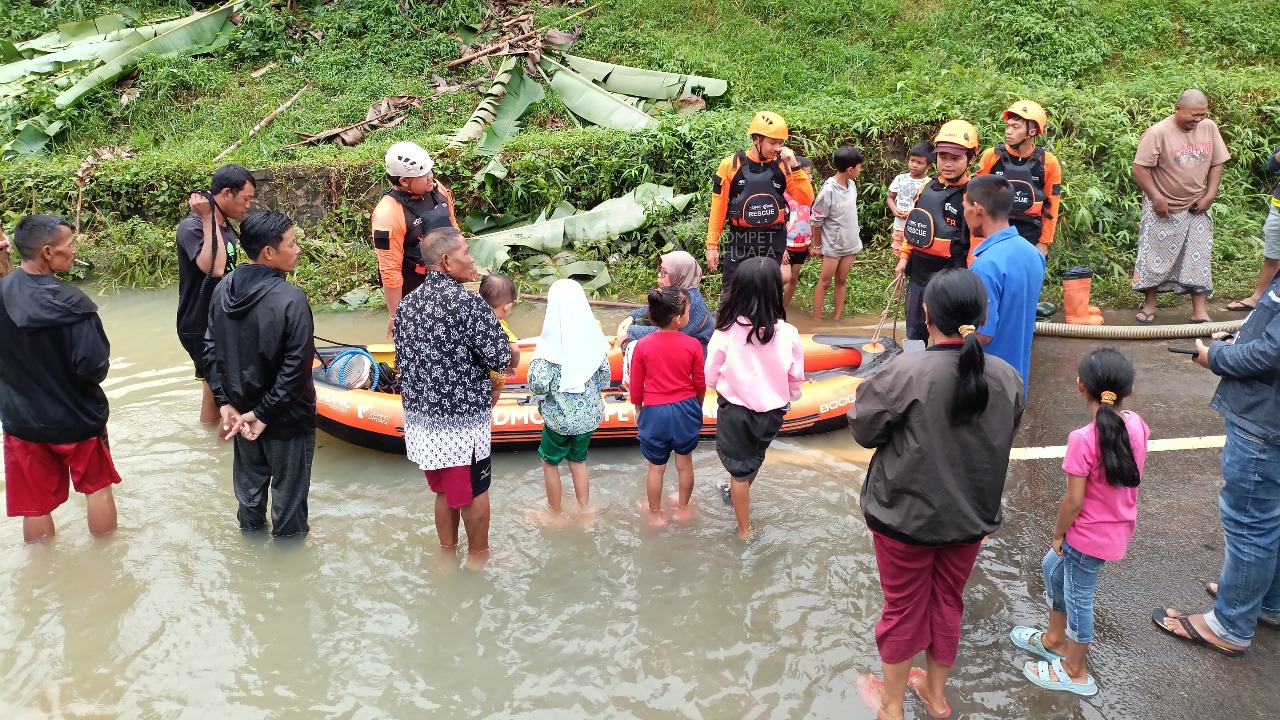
x,y
1011,268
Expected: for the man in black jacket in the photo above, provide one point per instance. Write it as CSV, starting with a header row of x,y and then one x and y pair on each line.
x,y
54,356
257,354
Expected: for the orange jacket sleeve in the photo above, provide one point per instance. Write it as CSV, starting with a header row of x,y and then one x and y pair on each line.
x,y
448,198
719,202
1053,197
987,162
388,241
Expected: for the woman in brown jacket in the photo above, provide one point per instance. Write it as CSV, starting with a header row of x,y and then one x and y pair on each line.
x,y
942,423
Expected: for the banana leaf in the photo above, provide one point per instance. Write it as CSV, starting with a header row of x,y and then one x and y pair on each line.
x,y
550,268
522,93
592,102
190,35
78,53
31,136
639,82
604,222
487,111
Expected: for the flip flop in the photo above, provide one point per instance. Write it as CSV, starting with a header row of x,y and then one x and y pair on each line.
x,y
1239,306
1145,318
1198,322
1032,640
1263,621
869,687
915,678
1159,615
1038,673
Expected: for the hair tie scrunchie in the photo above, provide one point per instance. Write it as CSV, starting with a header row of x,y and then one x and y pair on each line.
x,y
1108,397
967,330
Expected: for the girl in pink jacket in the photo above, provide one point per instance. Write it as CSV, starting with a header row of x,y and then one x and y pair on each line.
x,y
755,363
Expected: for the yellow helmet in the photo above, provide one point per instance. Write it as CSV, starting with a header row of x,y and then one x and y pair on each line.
x,y
1029,110
770,125
958,133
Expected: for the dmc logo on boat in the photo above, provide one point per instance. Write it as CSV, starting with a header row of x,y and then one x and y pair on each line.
x,y
516,416
837,403
338,404
366,412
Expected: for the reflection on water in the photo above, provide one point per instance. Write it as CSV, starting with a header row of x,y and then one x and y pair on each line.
x,y
179,615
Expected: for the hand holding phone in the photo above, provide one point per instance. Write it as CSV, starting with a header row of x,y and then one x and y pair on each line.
x,y
1184,351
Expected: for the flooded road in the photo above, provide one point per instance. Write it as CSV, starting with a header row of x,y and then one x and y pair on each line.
x,y
179,615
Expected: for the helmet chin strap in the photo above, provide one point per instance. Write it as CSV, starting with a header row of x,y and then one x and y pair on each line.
x,y
758,145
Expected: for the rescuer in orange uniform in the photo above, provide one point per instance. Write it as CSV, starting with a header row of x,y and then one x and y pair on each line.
x,y
747,193
415,205
1033,172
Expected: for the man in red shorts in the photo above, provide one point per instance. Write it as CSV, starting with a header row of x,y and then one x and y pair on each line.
x,y
54,356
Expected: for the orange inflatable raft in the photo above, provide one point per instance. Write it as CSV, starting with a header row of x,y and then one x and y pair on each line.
x,y
834,367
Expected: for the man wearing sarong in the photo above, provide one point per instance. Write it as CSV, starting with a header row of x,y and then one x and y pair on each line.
x,y
1178,167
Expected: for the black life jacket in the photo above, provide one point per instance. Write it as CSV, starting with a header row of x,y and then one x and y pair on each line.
x,y
421,215
928,227
755,194
1026,175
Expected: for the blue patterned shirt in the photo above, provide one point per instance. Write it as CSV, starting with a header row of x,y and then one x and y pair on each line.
x,y
568,413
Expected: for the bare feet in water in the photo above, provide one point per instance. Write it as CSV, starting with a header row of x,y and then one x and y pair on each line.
x,y
546,517
655,518
680,514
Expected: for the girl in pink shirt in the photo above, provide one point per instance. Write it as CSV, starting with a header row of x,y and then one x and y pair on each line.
x,y
1095,523
755,363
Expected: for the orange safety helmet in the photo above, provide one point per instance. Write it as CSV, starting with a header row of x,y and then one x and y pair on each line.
x,y
1029,110
958,132
770,125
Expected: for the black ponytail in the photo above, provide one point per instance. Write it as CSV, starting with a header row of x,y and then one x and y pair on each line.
x,y
1108,375
754,294
956,299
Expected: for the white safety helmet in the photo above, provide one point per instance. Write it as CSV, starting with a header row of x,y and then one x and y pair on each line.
x,y
407,160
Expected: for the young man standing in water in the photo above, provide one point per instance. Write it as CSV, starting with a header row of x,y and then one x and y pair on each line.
x,y
258,353
54,356
206,252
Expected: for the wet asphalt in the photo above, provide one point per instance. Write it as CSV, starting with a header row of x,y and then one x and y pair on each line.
x,y
1178,547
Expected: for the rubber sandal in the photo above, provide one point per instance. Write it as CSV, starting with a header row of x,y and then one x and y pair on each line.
x,y
869,687
1197,322
1263,621
1040,676
1239,306
1159,615
916,677
1144,318
1032,640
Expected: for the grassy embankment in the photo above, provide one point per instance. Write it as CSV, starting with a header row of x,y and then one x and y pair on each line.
x,y
880,74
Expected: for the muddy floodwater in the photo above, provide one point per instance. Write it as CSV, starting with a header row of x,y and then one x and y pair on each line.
x,y
180,615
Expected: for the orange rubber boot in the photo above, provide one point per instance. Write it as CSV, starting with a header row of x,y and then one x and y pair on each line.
x,y
1075,301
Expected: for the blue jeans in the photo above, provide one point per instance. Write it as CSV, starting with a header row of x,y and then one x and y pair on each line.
x,y
1069,582
1249,504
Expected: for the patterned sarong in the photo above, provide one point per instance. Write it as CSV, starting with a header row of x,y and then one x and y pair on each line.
x,y
1174,252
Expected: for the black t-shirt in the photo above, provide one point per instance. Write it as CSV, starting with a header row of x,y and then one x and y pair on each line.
x,y
195,287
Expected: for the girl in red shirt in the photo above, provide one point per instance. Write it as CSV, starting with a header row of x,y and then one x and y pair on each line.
x,y
667,388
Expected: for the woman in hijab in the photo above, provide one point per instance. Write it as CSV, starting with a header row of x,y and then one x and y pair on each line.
x,y
569,370
675,269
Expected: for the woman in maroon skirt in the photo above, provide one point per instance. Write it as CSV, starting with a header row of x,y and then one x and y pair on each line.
x,y
942,423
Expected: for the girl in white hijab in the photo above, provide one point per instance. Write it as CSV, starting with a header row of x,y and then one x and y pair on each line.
x,y
569,370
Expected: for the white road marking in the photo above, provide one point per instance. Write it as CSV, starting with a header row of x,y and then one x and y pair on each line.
x,y
1188,443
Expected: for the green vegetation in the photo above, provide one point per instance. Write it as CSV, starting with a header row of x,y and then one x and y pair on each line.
x,y
880,74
